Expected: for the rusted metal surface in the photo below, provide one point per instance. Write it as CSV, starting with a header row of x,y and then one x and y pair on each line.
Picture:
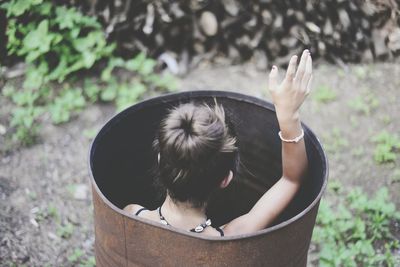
x,y
121,156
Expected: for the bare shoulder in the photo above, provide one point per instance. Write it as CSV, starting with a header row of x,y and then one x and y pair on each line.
x,y
132,208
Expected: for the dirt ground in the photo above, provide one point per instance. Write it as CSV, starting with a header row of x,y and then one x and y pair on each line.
x,y
45,198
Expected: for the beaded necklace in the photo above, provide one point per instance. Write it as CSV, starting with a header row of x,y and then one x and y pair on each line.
x,y
198,229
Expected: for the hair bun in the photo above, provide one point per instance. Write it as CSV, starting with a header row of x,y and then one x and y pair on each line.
x,y
192,132
187,120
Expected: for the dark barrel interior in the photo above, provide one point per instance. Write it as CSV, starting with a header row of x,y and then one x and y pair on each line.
x,y
121,157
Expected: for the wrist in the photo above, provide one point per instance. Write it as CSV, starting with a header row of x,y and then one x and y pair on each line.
x,y
284,116
289,124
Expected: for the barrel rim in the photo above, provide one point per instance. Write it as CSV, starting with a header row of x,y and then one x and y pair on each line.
x,y
176,96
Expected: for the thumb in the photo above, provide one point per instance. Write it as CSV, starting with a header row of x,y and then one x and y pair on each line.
x,y
273,78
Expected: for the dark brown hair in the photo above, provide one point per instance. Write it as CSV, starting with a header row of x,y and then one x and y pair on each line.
x,y
197,150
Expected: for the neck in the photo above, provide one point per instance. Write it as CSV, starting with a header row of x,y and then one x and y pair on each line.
x,y
182,214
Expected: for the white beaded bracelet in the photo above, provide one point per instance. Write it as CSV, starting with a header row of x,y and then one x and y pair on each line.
x,y
295,140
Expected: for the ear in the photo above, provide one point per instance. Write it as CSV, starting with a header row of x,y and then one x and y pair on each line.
x,y
227,180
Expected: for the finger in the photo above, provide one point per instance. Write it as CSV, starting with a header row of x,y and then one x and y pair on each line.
x,y
307,74
308,90
291,70
302,65
273,78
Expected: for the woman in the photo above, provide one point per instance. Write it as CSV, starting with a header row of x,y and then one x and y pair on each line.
x,y
198,155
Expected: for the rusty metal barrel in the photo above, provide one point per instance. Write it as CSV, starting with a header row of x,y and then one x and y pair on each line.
x,y
120,162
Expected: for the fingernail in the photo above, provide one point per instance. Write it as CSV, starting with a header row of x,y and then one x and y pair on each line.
x,y
306,51
274,67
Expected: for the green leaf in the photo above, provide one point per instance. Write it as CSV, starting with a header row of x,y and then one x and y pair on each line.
x,y
91,40
108,94
88,59
91,90
324,94
135,63
386,145
18,7
35,76
65,17
90,133
45,8
147,67
59,71
128,95
38,41
68,101
8,90
112,63
76,255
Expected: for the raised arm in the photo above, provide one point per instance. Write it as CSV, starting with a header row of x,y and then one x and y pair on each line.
x,y
287,97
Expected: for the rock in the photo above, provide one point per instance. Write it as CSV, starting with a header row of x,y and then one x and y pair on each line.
x,y
261,60
3,129
148,26
378,39
80,192
209,23
394,40
344,18
34,222
170,61
52,236
313,27
328,28
231,6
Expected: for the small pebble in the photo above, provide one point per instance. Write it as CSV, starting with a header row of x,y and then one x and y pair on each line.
x,y
34,210
3,129
34,222
52,236
81,192
73,218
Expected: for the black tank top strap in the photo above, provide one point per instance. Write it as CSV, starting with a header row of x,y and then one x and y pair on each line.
x,y
139,211
221,232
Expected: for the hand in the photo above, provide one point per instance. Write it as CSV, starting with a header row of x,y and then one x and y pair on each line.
x,y
291,93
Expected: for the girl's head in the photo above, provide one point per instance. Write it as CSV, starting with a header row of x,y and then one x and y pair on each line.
x,y
197,152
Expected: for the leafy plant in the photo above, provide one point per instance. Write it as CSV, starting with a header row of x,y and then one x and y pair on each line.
x,y
334,141
90,133
386,147
56,42
361,72
65,231
63,105
396,176
364,104
89,262
385,118
78,257
355,230
324,94
358,151
52,212
24,116
91,90
126,93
